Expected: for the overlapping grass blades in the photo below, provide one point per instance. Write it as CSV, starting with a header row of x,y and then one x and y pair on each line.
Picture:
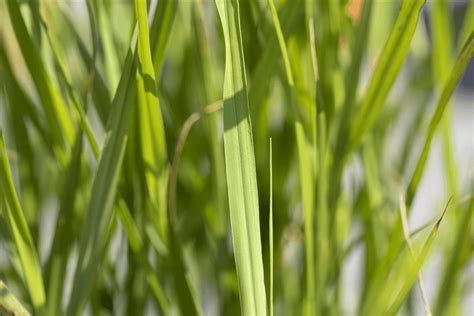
x,y
100,210
240,167
12,210
387,69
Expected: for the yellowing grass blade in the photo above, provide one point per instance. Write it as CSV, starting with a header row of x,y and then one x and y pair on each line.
x,y
18,227
240,167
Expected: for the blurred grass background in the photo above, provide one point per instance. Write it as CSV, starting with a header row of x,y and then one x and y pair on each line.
x,y
133,182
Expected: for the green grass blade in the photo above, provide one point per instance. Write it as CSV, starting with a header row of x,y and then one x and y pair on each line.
x,y
9,304
307,193
100,210
453,268
55,110
161,31
281,42
387,69
270,232
136,244
450,85
153,141
63,238
240,167
411,273
18,227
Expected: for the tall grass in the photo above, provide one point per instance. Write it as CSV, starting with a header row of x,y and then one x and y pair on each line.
x,y
136,176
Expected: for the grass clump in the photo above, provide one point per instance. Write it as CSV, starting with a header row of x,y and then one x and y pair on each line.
x,y
232,157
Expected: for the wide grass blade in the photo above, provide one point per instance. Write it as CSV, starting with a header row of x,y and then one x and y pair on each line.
x,y
151,129
240,167
18,227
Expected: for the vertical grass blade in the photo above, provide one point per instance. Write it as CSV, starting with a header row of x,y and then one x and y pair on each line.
x,y
9,305
18,227
307,192
270,231
153,142
240,167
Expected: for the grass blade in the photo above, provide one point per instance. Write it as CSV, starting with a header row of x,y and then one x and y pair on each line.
x,y
153,141
56,112
9,305
240,167
20,232
387,69
451,83
270,232
100,210
307,192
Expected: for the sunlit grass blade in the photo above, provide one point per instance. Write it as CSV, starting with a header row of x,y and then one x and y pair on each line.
x,y
240,167
54,107
411,273
151,129
100,210
387,69
9,304
13,212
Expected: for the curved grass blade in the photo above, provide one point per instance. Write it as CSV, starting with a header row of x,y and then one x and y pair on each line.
x,y
387,69
240,167
21,235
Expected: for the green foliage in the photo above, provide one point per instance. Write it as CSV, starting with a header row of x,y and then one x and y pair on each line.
x,y
136,176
